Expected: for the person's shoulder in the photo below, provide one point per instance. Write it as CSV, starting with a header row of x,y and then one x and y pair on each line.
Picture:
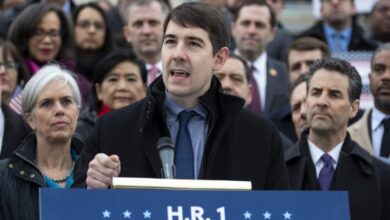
x,y
251,119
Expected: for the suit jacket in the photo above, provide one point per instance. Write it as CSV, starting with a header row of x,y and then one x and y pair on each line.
x,y
358,41
277,48
361,132
365,177
233,150
15,129
277,86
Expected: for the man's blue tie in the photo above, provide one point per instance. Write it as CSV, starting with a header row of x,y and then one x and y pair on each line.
x,y
326,172
184,156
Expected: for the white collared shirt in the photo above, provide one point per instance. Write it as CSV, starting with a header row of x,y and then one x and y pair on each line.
x,y
316,154
260,76
377,130
148,66
1,128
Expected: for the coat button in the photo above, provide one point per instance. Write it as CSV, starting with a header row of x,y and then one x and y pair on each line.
x,y
32,176
11,165
22,172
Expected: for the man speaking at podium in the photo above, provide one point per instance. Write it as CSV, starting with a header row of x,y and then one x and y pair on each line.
x,y
214,137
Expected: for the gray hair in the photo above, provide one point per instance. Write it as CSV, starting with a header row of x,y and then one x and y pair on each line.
x,y
125,10
46,75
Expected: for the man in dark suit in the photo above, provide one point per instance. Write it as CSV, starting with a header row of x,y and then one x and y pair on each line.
x,y
372,131
14,131
253,28
301,54
338,28
218,141
326,158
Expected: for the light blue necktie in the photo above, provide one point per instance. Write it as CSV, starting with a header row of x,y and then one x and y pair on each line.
x,y
184,156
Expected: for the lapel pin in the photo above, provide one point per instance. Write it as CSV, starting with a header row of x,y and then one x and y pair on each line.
x,y
273,72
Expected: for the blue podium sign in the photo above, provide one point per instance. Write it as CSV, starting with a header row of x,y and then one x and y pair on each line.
x,y
83,204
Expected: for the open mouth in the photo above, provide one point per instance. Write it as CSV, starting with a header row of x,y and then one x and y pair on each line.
x,y
179,73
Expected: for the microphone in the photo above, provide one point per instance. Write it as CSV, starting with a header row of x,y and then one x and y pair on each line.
x,y
167,154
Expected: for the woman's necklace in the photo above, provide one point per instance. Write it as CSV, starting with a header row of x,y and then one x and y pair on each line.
x,y
62,179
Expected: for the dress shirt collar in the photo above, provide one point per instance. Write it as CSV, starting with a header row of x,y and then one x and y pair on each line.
x,y
377,118
173,109
344,34
316,152
158,65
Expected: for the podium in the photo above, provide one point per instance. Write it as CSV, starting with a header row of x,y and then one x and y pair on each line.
x,y
77,204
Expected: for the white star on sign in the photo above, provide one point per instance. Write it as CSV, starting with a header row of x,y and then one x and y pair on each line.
x,y
106,214
126,214
287,215
147,214
267,215
248,215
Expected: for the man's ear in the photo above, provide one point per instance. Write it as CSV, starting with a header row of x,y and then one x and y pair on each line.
x,y
126,34
220,58
354,108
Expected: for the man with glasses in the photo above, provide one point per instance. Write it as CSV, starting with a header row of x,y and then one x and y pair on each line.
x,y
338,28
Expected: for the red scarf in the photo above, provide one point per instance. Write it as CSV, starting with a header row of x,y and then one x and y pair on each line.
x,y
103,110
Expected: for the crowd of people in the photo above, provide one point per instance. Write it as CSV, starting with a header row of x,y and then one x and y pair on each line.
x,y
88,90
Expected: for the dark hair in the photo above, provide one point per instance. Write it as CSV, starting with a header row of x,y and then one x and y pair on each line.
x,y
260,3
381,48
9,50
243,61
108,42
344,68
107,64
308,43
301,79
24,27
201,15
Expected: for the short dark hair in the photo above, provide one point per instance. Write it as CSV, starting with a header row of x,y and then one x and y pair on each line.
x,y
24,27
201,15
115,58
344,68
108,41
306,44
9,50
301,79
261,3
243,61
381,48
107,64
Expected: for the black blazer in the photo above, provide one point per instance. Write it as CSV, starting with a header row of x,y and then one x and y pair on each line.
x,y
367,179
277,86
15,129
234,150
358,41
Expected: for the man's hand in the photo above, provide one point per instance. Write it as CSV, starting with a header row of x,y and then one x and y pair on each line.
x,y
101,170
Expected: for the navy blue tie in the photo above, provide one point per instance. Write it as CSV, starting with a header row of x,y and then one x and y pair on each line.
x,y
184,156
326,172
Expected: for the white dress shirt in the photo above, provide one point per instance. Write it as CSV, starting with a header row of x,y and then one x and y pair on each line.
x,y
377,130
316,154
149,66
260,75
